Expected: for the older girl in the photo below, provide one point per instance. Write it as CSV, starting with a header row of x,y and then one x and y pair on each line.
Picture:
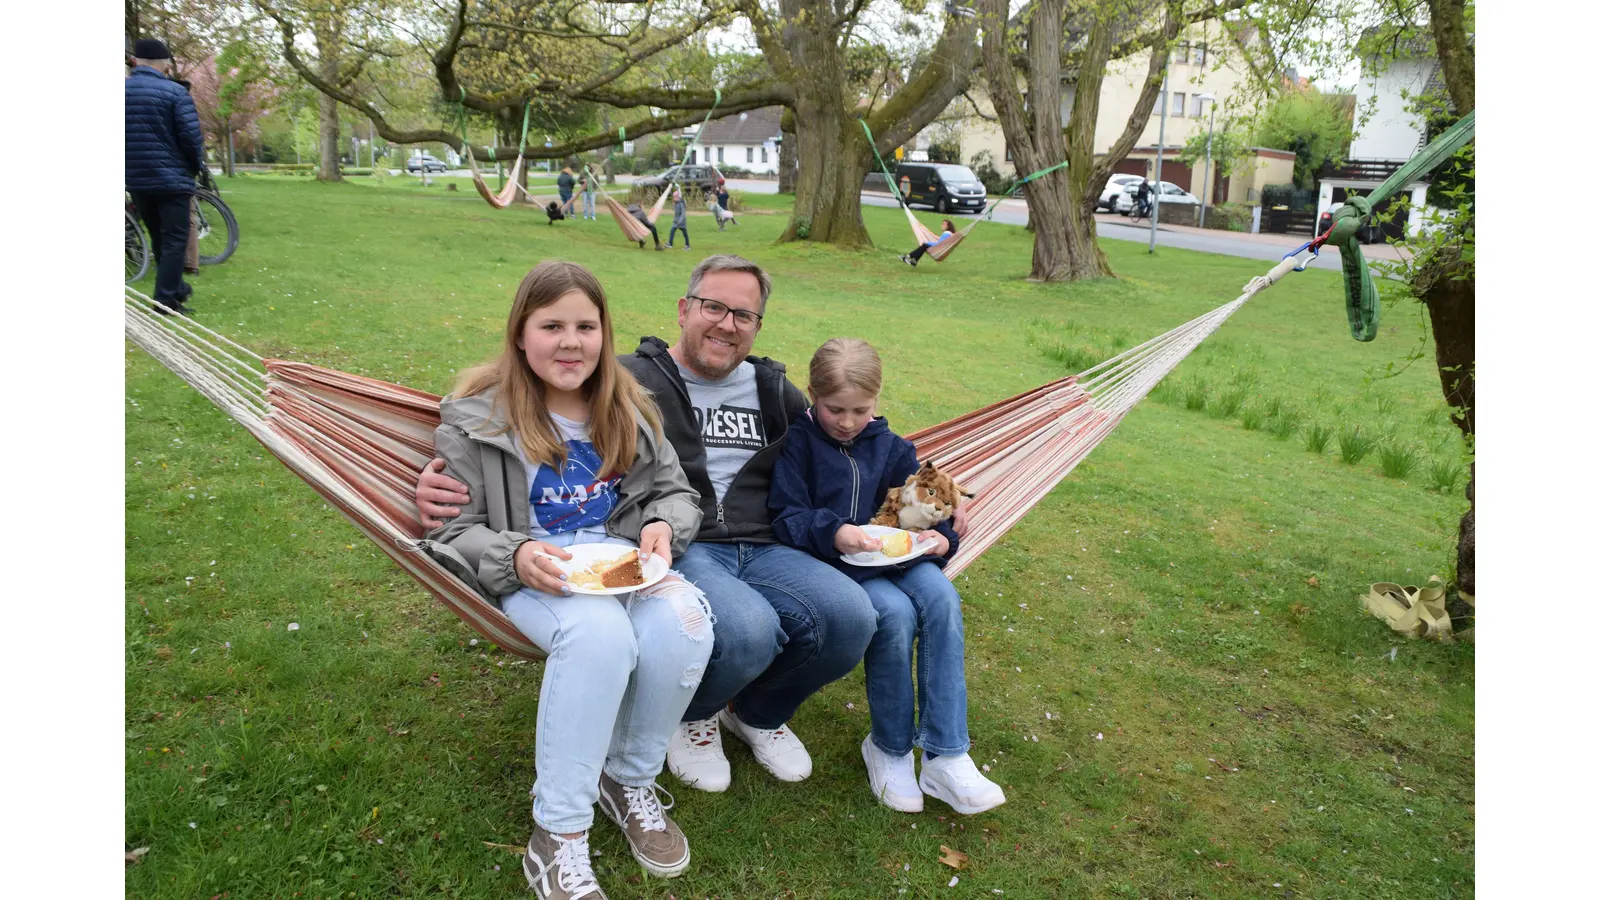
x,y
560,446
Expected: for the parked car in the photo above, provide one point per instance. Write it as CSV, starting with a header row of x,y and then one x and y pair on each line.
x,y
693,178
946,187
1114,186
427,162
1171,195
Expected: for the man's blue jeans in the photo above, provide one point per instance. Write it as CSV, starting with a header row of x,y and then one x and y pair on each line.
x,y
918,605
786,625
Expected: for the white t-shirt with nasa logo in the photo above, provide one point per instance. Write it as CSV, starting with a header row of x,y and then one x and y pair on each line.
x,y
577,497
728,412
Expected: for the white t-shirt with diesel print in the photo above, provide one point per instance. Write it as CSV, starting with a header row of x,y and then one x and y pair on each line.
x,y
728,412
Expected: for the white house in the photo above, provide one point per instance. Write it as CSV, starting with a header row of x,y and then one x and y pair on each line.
x,y
1388,131
749,140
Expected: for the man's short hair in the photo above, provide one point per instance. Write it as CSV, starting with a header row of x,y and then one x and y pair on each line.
x,y
728,262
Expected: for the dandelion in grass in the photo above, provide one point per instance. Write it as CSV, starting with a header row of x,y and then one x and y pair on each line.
x,y
1353,445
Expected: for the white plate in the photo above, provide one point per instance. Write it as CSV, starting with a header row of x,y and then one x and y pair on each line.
x,y
876,557
584,555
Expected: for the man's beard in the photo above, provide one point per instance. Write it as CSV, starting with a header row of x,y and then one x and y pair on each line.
x,y
712,370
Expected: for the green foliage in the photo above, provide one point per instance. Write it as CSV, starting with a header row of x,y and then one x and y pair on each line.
x,y
1230,148
1315,126
1228,402
982,165
1284,424
1444,474
1397,458
1194,396
1354,445
1317,437
1252,417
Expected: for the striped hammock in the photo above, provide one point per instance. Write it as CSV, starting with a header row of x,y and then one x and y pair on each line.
x,y
360,442
508,193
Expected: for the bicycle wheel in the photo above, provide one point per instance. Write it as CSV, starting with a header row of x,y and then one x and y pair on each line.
x,y
219,230
136,253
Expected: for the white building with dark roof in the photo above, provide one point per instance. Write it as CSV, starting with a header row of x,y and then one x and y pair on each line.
x,y
748,140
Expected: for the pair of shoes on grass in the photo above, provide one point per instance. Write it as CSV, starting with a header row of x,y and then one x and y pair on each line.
x,y
695,757
558,868
953,779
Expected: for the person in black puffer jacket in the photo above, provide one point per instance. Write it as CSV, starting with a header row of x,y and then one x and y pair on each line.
x,y
164,151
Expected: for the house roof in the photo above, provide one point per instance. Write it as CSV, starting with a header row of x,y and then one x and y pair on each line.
x,y
754,127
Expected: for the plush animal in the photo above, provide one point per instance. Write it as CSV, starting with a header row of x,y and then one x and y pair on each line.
x,y
928,497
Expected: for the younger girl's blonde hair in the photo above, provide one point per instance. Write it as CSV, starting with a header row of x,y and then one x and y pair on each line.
x,y
845,363
615,398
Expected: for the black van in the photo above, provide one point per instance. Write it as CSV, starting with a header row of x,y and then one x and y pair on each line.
x,y
947,187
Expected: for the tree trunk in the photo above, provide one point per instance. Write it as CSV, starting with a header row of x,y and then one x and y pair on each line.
x,y
788,152
227,166
1447,286
327,107
832,159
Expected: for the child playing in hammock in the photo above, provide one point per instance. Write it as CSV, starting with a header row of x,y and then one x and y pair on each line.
x,y
839,462
911,258
560,446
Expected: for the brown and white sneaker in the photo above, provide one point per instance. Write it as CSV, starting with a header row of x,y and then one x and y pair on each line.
x,y
558,868
656,841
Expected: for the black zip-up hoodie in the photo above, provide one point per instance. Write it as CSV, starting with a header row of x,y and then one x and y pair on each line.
x,y
742,515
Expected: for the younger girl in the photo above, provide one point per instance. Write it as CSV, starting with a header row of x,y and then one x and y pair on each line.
x,y
680,220
911,258
839,462
560,446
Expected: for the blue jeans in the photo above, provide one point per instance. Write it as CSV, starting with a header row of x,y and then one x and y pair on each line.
x,y
787,624
920,605
674,233
588,204
619,673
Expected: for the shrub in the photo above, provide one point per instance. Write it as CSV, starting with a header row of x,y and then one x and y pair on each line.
x,y
1353,445
1317,438
1444,475
982,165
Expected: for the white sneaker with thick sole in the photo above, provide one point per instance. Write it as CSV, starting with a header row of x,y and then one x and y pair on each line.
x,y
695,757
777,749
893,778
957,781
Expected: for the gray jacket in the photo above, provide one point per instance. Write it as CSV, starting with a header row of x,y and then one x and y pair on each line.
x,y
680,214
479,546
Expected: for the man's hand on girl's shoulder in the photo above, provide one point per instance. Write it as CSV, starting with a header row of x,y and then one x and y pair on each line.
x,y
437,494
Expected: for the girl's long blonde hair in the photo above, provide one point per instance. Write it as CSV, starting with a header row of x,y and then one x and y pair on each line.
x,y
842,363
615,398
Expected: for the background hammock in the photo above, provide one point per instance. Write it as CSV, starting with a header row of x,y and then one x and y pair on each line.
x,y
360,442
508,193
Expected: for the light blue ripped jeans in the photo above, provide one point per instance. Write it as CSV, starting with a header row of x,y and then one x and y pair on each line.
x,y
620,672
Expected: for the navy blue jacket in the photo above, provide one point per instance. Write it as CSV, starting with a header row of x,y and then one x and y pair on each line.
x,y
163,147
820,484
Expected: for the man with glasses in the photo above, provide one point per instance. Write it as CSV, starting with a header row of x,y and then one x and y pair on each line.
x,y
786,624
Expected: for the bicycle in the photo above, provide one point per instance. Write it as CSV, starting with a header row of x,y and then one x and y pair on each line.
x,y
1138,211
136,252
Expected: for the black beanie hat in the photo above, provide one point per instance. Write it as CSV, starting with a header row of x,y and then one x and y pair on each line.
x,y
150,48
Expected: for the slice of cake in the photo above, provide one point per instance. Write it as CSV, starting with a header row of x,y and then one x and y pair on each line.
x,y
624,571
896,544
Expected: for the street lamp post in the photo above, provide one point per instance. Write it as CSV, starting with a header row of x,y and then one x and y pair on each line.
x,y
1161,140
1205,185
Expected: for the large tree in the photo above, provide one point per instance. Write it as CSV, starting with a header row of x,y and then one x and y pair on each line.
x,y
1050,44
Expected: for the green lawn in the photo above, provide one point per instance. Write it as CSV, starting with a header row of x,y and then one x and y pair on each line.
x,y
1168,668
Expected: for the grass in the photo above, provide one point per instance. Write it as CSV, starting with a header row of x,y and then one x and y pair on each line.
x,y
1252,418
1444,475
1396,459
1317,438
1214,715
1353,445
1283,424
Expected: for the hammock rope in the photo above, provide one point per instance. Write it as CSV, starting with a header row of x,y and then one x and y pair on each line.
x,y
939,249
1361,292
655,210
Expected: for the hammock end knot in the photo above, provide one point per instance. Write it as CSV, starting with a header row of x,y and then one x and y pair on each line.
x,y
1348,219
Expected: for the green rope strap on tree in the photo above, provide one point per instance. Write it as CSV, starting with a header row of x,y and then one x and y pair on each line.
x,y
887,175
1361,292
1011,189
527,109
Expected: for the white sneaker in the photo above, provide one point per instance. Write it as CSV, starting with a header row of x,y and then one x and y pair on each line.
x,y
695,757
956,781
777,749
893,778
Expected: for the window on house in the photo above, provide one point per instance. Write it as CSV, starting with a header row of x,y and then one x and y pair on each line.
x,y
1177,103
719,153
1180,53
749,154
763,154
1199,54
1196,106
1008,153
